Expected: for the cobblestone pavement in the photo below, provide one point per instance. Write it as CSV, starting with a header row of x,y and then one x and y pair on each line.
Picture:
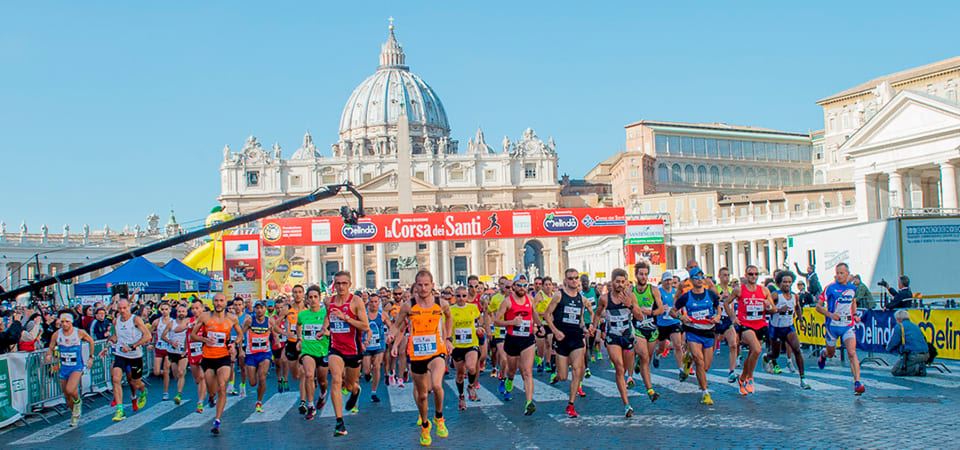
x,y
780,414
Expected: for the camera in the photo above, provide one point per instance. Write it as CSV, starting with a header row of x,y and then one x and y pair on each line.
x,y
882,283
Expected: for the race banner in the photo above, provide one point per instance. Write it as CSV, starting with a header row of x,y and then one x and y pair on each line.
x,y
875,327
241,266
507,224
644,231
13,387
280,273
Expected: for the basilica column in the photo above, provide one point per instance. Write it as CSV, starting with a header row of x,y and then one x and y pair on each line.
x,y
780,254
736,260
359,274
434,248
447,276
698,255
756,251
509,265
316,266
896,194
716,259
772,254
347,264
948,185
866,198
678,253
915,190
475,257
381,264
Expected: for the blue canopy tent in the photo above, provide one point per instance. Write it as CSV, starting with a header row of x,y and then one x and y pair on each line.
x,y
138,273
203,282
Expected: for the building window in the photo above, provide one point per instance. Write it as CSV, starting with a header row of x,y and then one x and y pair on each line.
x,y
712,148
663,174
714,175
826,204
331,249
457,174
688,174
489,175
736,149
296,181
847,202
253,178
662,145
701,147
459,245
702,175
368,248
365,177
633,189
747,150
796,207
726,176
420,176
686,146
529,171
421,247
724,146
633,173
329,177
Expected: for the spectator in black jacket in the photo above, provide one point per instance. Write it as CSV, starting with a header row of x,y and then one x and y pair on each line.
x,y
10,333
100,327
813,282
902,296
805,298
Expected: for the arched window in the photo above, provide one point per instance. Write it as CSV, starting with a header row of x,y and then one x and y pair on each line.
x,y
689,175
738,177
702,175
807,177
819,177
714,175
752,178
795,178
784,177
727,176
676,174
663,174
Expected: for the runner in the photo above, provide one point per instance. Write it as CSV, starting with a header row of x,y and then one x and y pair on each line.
x,y
542,299
161,366
68,343
375,344
431,326
236,351
589,294
565,317
347,320
725,327
668,328
196,352
216,364
314,347
516,313
277,314
750,322
256,329
497,357
618,309
174,335
465,344
128,338
475,296
398,365
781,325
645,329
699,311
838,304
294,368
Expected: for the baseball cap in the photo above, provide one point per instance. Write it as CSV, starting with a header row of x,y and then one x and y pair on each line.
x,y
695,271
696,275
667,274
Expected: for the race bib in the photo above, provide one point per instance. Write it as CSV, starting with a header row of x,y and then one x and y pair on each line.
x,y
196,348
619,326
754,311
339,326
69,359
259,344
424,345
375,340
463,335
310,331
523,330
219,339
178,348
571,315
647,323
702,314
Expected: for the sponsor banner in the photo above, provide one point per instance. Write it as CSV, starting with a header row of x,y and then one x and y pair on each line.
x,y
280,274
13,387
443,226
875,327
653,254
241,266
646,231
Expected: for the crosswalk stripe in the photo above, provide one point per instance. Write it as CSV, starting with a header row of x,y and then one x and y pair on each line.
x,y
715,379
58,429
931,379
139,419
542,392
606,388
194,420
849,379
814,384
673,385
275,408
486,397
401,399
686,421
508,428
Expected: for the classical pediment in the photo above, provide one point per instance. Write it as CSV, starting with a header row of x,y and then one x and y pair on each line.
x,y
387,182
908,116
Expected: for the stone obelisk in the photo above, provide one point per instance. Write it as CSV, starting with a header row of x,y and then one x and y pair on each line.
x,y
407,262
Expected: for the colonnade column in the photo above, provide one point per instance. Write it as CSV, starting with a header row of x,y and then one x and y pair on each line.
x,y
716,259
735,259
316,265
347,251
678,253
434,248
381,264
359,276
447,277
475,257
948,185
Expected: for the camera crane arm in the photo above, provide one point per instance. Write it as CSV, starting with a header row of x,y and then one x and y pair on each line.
x,y
349,216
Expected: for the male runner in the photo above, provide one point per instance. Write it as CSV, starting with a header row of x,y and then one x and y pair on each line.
x,y
375,345
645,330
753,304
465,344
294,368
256,328
565,318
838,304
431,327
128,338
516,313
216,327
313,345
195,352
161,366
68,343
725,327
496,341
347,320
618,309
398,365
545,334
669,328
174,335
699,310
279,326
589,294
781,324
475,296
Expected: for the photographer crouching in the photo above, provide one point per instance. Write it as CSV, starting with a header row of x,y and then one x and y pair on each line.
x,y
907,340
902,296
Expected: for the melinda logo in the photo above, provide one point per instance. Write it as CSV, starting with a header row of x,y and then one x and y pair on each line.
x,y
560,223
360,231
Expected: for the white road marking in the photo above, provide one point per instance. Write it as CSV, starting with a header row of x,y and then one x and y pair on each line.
x,y
849,379
194,420
793,380
58,429
401,399
507,428
138,419
715,379
275,408
607,388
542,392
685,421
673,385
486,397
929,379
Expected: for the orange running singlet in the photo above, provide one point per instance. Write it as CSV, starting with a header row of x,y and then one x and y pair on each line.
x,y
426,340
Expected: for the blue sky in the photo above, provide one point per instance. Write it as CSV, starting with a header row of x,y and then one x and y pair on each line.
x,y
112,110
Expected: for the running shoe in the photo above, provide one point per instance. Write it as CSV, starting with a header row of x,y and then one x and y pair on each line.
x,y
540,368
442,430
586,373
311,413
425,439
232,389
502,387
537,360
243,390
687,363
211,402
259,407
599,355
571,411
530,408
791,366
706,399
400,383
472,394
822,360
636,366
353,400
654,396
216,426
142,399
113,403
119,415
749,385
279,386
77,405
507,396
768,366
493,373
776,368
580,391
344,391
323,400
199,407
656,362
683,375
340,430
303,407
177,398
74,421
462,404
551,368
731,377
803,384
554,379
509,385
165,397
374,398
628,411
743,386
859,388
631,383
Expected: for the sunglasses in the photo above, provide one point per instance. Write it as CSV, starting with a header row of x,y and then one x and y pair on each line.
x,y
461,295
572,278
752,274
520,285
